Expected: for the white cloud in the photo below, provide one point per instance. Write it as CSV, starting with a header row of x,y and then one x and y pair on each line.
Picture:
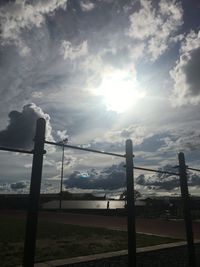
x,y
135,132
87,6
186,72
46,116
156,26
142,25
28,165
137,51
73,52
62,134
15,17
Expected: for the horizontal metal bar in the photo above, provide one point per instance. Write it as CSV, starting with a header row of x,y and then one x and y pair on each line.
x,y
152,170
85,149
193,169
16,150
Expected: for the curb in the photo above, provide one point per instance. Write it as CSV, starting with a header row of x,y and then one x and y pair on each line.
x,y
106,255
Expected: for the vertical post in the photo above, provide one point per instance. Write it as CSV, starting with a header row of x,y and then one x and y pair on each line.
x,y
130,205
187,211
61,181
34,195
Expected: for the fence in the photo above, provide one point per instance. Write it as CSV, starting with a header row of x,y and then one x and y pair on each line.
x,y
37,164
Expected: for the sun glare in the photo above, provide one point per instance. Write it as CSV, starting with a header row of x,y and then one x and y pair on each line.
x,y
120,91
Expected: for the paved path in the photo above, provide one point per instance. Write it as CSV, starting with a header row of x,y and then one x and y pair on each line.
x,y
175,229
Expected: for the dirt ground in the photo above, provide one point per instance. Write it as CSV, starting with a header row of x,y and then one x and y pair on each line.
x,y
162,227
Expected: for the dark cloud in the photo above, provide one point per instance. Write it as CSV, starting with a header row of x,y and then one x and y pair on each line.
x,y
114,177
18,185
110,178
194,179
166,184
186,73
166,181
21,128
154,182
141,179
185,140
152,143
192,71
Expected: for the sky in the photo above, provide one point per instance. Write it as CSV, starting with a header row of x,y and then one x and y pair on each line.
x,y
100,72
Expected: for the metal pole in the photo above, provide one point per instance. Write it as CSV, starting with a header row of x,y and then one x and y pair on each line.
x,y
61,181
33,205
187,210
130,205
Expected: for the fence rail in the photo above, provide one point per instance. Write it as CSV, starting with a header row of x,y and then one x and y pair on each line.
x,y
86,149
16,150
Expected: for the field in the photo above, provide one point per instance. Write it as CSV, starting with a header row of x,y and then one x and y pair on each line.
x,y
57,240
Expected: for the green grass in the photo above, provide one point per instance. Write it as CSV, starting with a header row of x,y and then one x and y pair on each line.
x,y
58,240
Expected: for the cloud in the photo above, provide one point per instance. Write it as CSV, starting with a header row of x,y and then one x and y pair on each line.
x,y
186,72
167,182
66,53
18,185
4,187
136,132
86,5
117,57
114,140
110,178
156,25
114,178
27,79
152,143
73,52
188,140
19,16
62,134
144,140
160,181
69,161
21,128
23,187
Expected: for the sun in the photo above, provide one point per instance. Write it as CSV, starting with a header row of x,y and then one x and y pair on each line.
x,y
120,91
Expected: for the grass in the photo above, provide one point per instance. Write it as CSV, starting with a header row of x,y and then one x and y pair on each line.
x,y
58,240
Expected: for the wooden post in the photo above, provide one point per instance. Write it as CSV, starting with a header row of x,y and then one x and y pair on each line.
x,y
34,195
187,210
130,205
